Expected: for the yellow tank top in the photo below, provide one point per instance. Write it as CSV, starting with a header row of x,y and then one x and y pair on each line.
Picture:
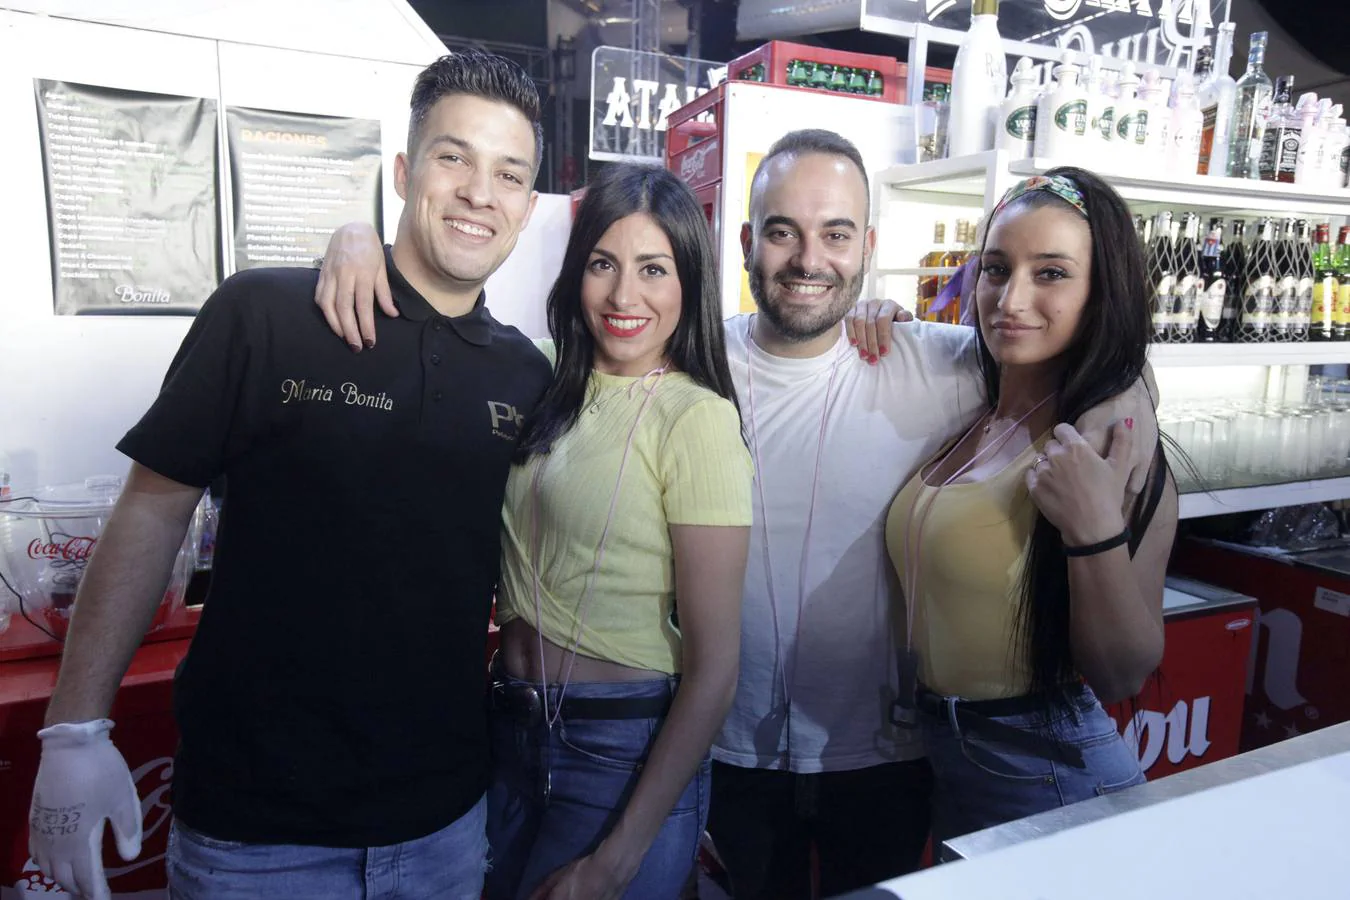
x,y
970,557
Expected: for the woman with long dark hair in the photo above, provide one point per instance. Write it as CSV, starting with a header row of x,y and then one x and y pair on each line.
x,y
1033,581
625,528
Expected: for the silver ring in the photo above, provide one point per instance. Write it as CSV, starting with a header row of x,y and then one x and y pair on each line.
x,y
1040,458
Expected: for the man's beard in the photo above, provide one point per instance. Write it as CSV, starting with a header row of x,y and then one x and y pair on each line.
x,y
801,324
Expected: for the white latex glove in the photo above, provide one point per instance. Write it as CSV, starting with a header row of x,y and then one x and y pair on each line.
x,y
82,782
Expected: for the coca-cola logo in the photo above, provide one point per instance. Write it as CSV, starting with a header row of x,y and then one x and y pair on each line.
x,y
1182,731
74,549
694,164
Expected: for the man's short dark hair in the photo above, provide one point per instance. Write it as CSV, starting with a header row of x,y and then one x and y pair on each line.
x,y
816,140
476,74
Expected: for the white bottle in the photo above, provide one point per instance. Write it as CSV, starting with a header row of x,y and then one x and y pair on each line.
x,y
978,77
1157,135
1337,153
1309,167
1131,121
1186,128
1216,95
1017,119
1061,133
1097,104
1104,147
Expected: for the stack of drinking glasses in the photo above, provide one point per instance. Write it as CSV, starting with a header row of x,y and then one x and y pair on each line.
x,y
1231,444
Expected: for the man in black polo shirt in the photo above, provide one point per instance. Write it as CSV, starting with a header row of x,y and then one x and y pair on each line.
x,y
331,705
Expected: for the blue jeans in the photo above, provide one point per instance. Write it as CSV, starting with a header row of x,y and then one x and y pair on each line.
x,y
591,767
979,782
445,865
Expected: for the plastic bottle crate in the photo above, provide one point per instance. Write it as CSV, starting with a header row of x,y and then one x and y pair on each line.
x,y
822,69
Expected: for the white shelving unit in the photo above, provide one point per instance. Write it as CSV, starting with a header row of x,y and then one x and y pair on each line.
x,y
1265,496
968,187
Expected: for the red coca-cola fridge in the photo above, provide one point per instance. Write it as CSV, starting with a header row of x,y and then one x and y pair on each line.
x,y
1190,712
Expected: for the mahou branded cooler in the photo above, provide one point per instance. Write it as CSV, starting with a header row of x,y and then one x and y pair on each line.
x,y
47,537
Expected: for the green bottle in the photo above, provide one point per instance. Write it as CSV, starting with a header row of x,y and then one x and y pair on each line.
x,y
857,82
875,88
820,78
839,80
797,76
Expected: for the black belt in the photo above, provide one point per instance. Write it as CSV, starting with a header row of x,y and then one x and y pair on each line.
x,y
976,717
525,701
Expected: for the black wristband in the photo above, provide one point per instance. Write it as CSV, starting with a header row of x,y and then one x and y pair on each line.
x,y
1100,546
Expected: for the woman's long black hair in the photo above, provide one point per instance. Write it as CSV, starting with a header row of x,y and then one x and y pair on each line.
x,y
698,346
1106,357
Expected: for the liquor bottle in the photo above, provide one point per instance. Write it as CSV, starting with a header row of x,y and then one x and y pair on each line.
x,y
1216,94
928,284
1304,270
1162,275
1251,109
1186,259
1214,287
1234,276
978,79
1341,317
1326,284
954,258
1280,143
1258,301
1286,284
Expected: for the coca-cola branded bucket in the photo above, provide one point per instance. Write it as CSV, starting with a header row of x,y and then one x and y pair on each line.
x,y
46,541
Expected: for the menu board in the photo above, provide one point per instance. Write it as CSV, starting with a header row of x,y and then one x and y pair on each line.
x,y
131,198
296,178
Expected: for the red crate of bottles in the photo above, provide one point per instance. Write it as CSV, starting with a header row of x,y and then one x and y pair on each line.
x,y
769,64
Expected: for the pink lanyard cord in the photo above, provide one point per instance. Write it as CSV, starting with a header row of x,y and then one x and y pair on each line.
x,y
764,509
913,548
583,608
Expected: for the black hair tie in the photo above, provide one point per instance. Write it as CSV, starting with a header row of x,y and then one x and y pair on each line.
x,y
1100,546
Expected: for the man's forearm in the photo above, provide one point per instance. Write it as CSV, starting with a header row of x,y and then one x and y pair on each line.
x,y
119,593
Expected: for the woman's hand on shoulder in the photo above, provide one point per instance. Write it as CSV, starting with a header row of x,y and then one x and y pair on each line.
x,y
1078,489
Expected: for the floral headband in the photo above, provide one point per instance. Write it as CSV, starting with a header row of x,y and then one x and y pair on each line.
x,y
1059,185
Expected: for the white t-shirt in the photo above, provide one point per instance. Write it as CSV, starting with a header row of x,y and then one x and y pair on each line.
x,y
833,644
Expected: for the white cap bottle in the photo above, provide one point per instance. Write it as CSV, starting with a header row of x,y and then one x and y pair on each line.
x,y
1106,121
1309,166
1061,120
1186,127
1131,120
1017,119
1158,124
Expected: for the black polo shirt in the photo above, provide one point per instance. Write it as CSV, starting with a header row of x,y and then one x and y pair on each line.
x,y
333,694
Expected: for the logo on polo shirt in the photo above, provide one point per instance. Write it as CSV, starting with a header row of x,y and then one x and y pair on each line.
x,y
349,394
506,421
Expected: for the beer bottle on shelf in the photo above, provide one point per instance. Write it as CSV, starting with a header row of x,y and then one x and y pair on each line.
x,y
1304,285
1341,317
797,73
1286,284
875,86
820,76
839,78
1162,275
857,82
1213,288
1258,301
1186,306
1234,276
1326,282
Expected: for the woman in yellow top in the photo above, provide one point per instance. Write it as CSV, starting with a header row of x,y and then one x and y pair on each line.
x,y
626,524
1032,586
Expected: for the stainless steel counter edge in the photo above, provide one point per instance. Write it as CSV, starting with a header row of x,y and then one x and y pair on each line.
x,y
1292,752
